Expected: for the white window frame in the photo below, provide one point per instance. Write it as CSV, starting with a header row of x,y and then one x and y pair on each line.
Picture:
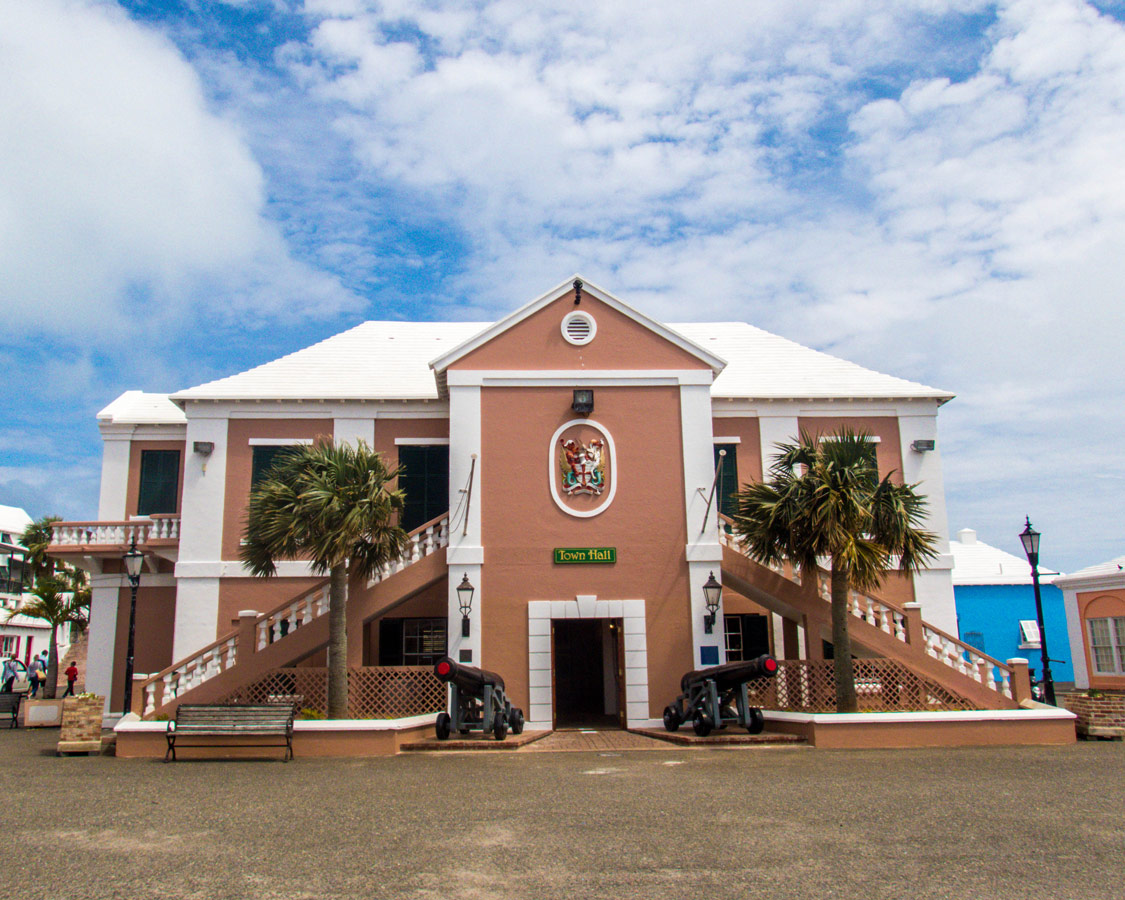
x,y
1116,644
1029,635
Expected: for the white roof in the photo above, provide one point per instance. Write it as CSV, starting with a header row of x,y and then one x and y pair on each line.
x,y
390,360
14,521
1112,571
139,408
975,562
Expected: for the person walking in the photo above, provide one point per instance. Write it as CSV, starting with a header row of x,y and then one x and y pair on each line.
x,y
9,675
71,677
33,672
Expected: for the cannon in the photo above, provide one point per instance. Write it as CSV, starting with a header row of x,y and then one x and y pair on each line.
x,y
716,697
477,700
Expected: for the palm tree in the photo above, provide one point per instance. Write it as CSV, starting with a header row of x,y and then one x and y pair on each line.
x,y
36,539
823,500
332,505
57,603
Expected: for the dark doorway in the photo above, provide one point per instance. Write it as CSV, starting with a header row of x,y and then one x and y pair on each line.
x,y
581,663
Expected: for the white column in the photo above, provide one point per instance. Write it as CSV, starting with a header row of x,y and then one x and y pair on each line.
x,y
933,587
1076,639
353,430
201,535
465,555
102,633
704,552
115,473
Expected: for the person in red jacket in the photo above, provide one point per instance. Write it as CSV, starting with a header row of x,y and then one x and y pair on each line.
x,y
71,677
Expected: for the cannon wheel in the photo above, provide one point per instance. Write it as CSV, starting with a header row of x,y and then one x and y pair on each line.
x,y
757,721
442,726
702,723
672,720
499,727
515,720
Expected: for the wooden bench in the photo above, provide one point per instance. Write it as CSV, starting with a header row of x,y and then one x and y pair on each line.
x,y
232,720
10,702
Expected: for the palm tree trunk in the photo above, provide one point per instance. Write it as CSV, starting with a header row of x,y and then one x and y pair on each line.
x,y
846,701
52,681
338,642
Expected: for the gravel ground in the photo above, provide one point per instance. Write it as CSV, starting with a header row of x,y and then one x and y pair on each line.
x,y
713,824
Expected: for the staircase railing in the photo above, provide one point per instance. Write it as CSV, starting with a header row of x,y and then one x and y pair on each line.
x,y
896,622
274,625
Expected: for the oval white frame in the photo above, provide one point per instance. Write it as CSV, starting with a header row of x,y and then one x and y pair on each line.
x,y
552,468
576,314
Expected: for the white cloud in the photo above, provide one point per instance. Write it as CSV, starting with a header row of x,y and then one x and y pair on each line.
x,y
120,186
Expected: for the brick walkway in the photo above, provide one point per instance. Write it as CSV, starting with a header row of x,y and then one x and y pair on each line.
x,y
593,740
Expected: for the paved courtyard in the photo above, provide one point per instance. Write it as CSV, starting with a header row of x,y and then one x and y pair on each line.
x,y
775,822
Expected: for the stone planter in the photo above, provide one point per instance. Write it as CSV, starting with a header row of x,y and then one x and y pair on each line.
x,y
81,730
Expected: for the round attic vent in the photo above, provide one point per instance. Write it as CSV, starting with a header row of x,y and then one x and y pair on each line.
x,y
579,328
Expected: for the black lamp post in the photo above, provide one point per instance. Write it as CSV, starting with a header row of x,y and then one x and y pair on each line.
x,y
712,592
134,559
465,602
1029,537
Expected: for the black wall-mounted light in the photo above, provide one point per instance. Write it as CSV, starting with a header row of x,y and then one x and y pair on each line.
x,y
203,448
712,593
465,591
583,401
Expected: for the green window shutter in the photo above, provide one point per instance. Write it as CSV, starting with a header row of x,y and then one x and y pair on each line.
x,y
727,484
160,482
263,459
425,482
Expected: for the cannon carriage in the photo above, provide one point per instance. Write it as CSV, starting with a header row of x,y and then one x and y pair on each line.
x,y
477,701
716,697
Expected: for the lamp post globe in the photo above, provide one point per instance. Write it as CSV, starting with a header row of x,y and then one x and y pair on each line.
x,y
1029,537
465,591
712,593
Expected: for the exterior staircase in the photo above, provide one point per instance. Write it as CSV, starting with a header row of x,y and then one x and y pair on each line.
x,y
878,628
294,629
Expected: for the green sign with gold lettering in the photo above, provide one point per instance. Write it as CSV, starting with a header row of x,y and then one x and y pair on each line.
x,y
587,555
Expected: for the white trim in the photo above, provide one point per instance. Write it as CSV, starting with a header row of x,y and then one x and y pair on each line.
x,y
585,377
581,315
136,726
421,442
726,440
868,439
715,363
279,442
552,465
540,711
901,718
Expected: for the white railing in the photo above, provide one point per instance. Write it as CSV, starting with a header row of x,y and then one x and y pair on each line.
x,y
892,620
275,625
115,534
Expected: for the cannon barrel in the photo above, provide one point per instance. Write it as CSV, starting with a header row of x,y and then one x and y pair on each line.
x,y
467,678
731,675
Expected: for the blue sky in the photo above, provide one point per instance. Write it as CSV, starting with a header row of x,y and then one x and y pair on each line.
x,y
932,189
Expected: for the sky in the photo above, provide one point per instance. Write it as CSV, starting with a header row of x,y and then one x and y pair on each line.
x,y
932,189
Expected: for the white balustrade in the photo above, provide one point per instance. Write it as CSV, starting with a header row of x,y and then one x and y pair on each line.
x,y
116,534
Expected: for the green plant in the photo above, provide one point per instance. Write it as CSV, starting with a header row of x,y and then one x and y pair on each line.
x,y
309,713
1094,694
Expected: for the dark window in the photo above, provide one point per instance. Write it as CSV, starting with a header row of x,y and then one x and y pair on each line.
x,y
264,458
747,637
425,481
411,642
975,639
160,482
727,483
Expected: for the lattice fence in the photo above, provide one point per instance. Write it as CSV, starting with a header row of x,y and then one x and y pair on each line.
x,y
374,692
882,685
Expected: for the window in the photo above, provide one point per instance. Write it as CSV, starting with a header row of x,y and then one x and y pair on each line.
x,y
747,637
727,483
160,482
975,639
425,481
263,460
1107,645
411,642
1029,635
9,645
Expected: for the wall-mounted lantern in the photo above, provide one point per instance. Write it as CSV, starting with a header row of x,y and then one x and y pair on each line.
x,y
712,593
465,592
583,401
203,448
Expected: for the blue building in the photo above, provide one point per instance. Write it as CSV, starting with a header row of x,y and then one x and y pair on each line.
x,y
996,606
